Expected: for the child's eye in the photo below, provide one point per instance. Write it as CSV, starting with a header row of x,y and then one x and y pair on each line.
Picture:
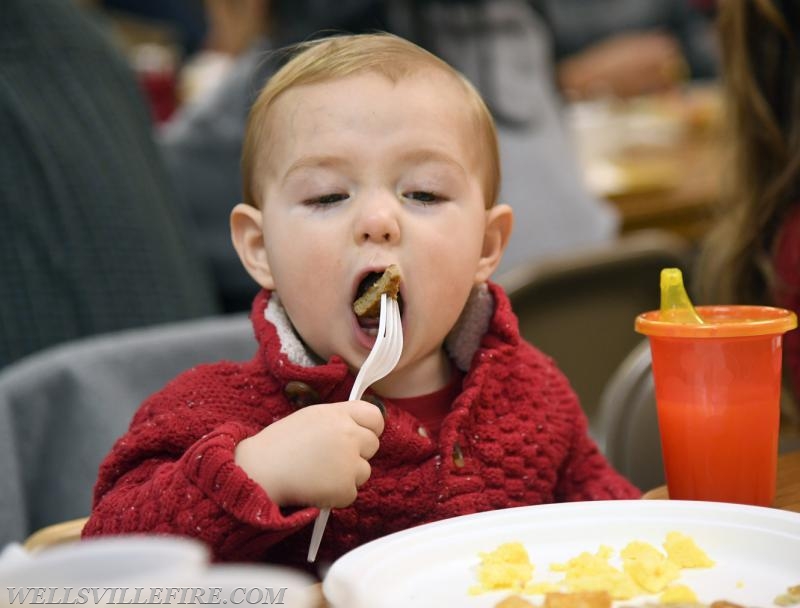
x,y
326,199
424,197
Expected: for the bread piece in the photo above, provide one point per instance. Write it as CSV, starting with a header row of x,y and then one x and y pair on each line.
x,y
725,604
578,599
369,304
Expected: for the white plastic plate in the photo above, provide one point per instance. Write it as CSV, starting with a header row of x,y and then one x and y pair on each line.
x,y
756,550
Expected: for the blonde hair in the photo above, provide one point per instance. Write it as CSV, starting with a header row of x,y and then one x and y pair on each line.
x,y
762,92
336,57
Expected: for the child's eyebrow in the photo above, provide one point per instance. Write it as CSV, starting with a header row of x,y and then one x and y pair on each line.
x,y
316,162
431,155
417,156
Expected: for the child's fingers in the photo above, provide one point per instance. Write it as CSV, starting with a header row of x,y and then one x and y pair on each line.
x,y
368,443
367,415
363,471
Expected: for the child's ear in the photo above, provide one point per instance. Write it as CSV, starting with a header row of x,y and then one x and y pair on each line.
x,y
248,240
499,222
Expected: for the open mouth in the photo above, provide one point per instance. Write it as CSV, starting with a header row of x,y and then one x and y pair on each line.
x,y
366,302
368,281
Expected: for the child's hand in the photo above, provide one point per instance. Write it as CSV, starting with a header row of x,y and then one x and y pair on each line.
x,y
624,65
316,456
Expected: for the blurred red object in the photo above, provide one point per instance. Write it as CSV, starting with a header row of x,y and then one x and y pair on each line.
x,y
707,7
155,67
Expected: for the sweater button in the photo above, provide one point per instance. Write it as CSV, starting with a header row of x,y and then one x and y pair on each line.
x,y
458,456
300,394
377,402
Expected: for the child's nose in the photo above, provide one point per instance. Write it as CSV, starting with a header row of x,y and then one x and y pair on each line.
x,y
378,224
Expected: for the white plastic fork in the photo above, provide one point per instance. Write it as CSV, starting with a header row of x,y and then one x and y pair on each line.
x,y
381,360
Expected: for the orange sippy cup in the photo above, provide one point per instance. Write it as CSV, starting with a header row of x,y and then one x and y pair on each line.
x,y
717,374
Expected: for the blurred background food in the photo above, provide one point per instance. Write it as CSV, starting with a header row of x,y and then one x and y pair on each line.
x,y
645,143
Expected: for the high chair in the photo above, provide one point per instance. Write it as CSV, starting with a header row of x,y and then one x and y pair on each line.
x,y
62,409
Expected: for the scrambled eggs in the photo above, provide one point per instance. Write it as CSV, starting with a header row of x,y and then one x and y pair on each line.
x,y
507,567
644,570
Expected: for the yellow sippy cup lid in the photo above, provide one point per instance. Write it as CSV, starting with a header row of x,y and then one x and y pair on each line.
x,y
676,307
677,317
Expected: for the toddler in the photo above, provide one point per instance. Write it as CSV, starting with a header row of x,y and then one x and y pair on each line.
x,y
361,152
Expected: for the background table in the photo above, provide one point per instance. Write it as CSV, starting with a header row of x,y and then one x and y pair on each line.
x,y
658,158
787,495
687,207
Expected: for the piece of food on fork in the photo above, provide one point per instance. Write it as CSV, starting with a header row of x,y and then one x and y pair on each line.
x,y
368,304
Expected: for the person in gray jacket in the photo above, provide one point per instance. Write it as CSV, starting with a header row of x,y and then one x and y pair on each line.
x,y
91,240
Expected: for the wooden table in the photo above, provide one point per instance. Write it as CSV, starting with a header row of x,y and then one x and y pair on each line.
x,y
660,158
787,495
687,207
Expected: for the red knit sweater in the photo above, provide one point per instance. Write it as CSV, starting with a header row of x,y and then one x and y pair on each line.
x,y
515,435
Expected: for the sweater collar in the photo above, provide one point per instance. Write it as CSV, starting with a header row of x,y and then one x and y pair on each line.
x,y
486,316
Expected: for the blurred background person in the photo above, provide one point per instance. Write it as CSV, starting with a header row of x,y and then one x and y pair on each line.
x,y
503,46
90,238
624,48
186,19
753,253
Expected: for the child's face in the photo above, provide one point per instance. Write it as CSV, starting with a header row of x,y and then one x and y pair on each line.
x,y
360,174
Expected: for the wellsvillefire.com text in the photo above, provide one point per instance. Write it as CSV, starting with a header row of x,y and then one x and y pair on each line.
x,y
146,595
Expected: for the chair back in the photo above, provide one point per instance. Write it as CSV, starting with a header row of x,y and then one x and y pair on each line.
x,y
627,421
62,409
580,308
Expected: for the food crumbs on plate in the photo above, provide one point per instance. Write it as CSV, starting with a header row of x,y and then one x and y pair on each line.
x,y
790,598
507,567
683,551
724,604
740,584
678,594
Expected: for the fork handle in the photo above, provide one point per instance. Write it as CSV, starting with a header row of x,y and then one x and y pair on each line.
x,y
322,519
316,535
